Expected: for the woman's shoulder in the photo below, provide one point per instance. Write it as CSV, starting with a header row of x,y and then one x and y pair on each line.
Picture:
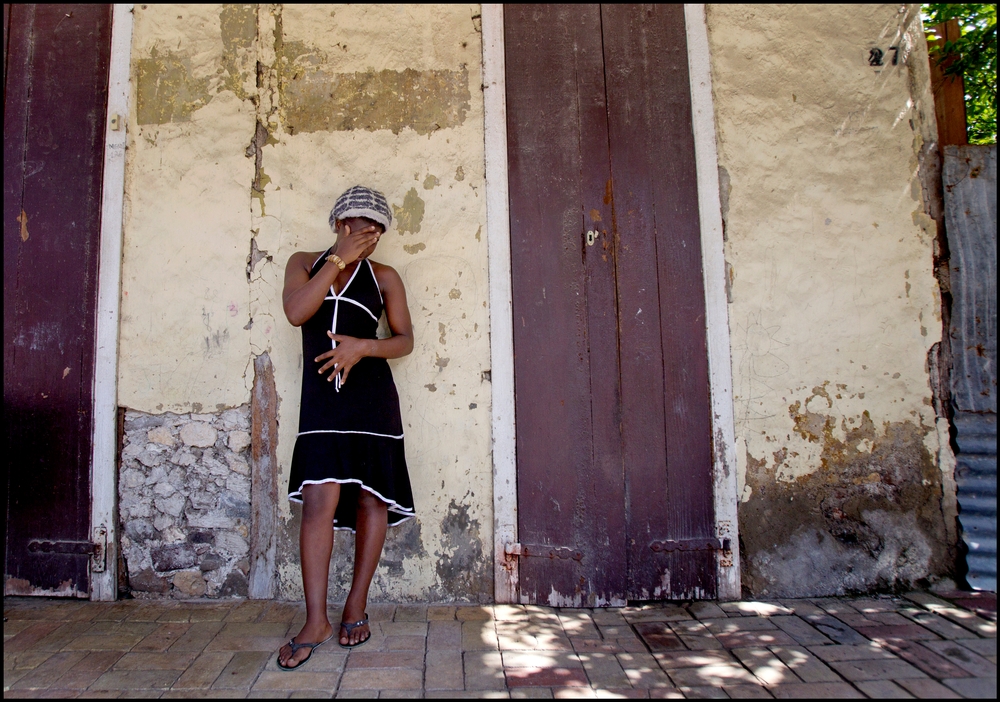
x,y
382,270
304,259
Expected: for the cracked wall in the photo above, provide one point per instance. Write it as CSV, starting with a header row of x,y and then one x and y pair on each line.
x,y
833,302
247,122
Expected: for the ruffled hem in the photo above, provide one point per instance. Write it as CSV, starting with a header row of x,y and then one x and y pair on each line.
x,y
376,464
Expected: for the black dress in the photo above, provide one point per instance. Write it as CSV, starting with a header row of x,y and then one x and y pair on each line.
x,y
352,433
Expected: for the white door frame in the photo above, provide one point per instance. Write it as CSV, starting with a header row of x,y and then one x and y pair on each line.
x,y
103,459
501,320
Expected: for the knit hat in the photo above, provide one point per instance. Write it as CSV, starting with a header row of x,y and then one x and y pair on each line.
x,y
359,201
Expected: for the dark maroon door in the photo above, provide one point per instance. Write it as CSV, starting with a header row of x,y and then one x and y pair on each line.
x,y
611,372
55,97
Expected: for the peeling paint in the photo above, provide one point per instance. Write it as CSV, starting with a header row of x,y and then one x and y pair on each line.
x,y
165,89
410,214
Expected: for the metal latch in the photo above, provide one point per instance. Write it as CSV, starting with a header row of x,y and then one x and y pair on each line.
x,y
96,549
541,551
690,545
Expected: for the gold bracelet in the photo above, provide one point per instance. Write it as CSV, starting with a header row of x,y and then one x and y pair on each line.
x,y
337,260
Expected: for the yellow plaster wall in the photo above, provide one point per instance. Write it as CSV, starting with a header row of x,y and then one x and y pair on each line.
x,y
239,170
834,305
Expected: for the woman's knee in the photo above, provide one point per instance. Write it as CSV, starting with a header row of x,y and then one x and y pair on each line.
x,y
370,502
319,501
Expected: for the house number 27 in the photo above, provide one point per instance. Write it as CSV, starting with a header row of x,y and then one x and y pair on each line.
x,y
876,57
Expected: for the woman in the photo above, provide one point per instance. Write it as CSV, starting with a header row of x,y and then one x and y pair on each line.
x,y
348,467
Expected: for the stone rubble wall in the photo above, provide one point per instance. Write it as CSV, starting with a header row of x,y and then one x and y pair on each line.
x,y
184,493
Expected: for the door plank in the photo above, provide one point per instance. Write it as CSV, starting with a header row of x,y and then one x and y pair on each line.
x,y
568,470
63,53
666,422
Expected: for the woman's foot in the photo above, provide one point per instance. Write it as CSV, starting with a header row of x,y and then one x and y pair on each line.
x,y
310,633
354,635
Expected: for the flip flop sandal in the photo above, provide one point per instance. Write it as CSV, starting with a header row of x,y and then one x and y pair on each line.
x,y
352,627
296,646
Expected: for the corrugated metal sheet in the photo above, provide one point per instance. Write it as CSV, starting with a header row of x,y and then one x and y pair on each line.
x,y
970,182
976,475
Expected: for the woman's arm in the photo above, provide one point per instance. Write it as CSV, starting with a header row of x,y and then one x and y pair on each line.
x,y
350,350
302,296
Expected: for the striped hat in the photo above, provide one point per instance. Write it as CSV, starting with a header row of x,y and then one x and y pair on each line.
x,y
359,201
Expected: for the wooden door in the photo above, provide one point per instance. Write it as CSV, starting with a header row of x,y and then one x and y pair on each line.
x,y
56,85
611,372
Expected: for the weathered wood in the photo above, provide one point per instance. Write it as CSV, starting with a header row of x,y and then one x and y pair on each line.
x,y
264,480
56,91
666,427
949,91
569,479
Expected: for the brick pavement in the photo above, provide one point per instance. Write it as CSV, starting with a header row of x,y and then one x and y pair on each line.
x,y
921,645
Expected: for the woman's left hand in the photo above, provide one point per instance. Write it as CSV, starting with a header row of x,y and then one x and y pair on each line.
x,y
349,351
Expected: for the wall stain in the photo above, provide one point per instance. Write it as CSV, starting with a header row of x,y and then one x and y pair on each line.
x,y
430,182
869,519
463,570
411,214
416,248
165,89
238,24
314,99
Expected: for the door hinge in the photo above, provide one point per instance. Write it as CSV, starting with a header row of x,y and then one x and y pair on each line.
x,y
541,551
690,545
96,549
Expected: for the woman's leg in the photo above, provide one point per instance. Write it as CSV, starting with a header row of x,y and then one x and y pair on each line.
x,y
319,503
372,524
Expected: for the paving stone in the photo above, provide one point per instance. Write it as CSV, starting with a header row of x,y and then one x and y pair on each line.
x,y
883,689
442,613
444,636
984,647
574,693
800,630
927,660
658,636
382,679
479,635
604,670
516,636
693,659
356,694
607,615
754,639
804,664
28,637
203,671
247,611
178,660
868,605
546,677
851,652
617,693
580,626
473,614
632,645
48,673
539,659
768,668
748,692
970,662
133,680
909,632
856,620
663,613
403,643
163,637
404,628
279,680
980,688
706,610
376,659
243,669
703,692
197,636
82,675
836,630
531,693
815,691
721,675
410,613
936,623
755,609
927,689
878,669
444,671
483,670
25,659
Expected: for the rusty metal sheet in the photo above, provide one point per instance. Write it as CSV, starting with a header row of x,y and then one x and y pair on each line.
x,y
666,425
570,483
970,202
54,111
970,210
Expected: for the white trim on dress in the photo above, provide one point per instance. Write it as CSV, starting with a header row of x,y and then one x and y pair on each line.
x,y
392,505
345,431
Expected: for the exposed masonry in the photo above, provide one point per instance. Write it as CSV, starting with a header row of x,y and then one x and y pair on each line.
x,y
184,493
